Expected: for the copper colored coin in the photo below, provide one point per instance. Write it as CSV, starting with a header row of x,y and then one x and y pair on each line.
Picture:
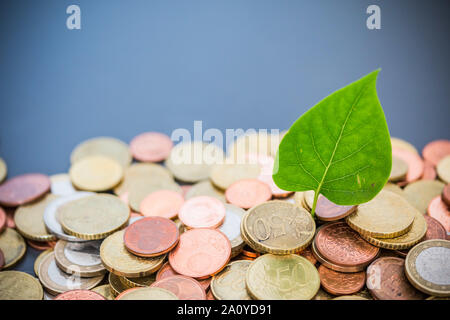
x,y
341,245
41,246
10,217
150,237
429,171
386,280
185,189
329,211
440,211
435,151
184,288
23,189
415,163
210,296
167,271
3,220
200,253
80,295
248,193
202,212
307,253
249,252
446,194
339,283
162,203
151,147
2,259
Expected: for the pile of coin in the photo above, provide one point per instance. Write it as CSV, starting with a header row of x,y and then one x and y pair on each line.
x,y
191,222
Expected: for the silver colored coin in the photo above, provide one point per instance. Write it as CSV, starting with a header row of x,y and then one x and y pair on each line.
x,y
61,185
51,219
231,226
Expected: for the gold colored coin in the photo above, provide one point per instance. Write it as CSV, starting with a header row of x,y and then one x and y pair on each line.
x,y
38,261
93,217
149,172
288,277
3,170
104,290
13,247
139,281
299,197
29,219
118,260
103,146
322,295
420,193
278,227
255,143
192,162
148,293
409,239
353,297
393,188
205,188
225,174
427,267
116,285
142,188
399,169
443,169
402,144
229,284
57,281
388,215
96,173
16,285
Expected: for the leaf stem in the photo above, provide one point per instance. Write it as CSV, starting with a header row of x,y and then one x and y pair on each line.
x,y
316,196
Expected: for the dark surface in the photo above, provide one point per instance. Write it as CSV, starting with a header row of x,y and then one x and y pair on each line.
x,y
159,65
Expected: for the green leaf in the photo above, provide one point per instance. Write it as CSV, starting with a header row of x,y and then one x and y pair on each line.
x,y
340,147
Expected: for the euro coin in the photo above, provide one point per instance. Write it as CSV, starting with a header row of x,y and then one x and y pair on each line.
x,y
229,284
205,188
443,169
16,285
150,293
23,189
420,193
13,247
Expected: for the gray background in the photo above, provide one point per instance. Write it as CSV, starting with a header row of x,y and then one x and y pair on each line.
x,y
159,65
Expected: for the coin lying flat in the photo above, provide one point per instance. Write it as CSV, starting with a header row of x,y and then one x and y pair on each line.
x,y
23,189
399,169
277,227
248,193
254,142
440,211
443,169
205,188
162,203
202,212
446,195
3,170
151,147
288,277
16,285
184,288
149,172
39,259
105,291
200,253
229,284
192,162
405,241
29,219
340,283
420,193
147,294
352,297
325,209
402,144
429,171
13,247
93,217
225,174
116,258
102,146
79,295
427,267
51,218
61,184
386,216
393,188
341,245
414,162
151,236
57,281
79,258
435,151
96,173
386,280
231,227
